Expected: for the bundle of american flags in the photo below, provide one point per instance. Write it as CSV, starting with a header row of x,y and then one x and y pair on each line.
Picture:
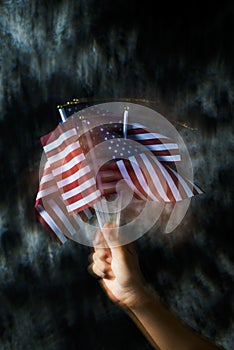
x,y
73,181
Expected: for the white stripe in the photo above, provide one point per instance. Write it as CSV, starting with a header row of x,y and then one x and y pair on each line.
x,y
147,136
136,126
48,219
64,136
84,201
60,214
187,189
173,158
46,178
154,176
47,191
67,166
78,189
141,179
47,165
72,147
126,176
162,147
196,187
73,177
174,189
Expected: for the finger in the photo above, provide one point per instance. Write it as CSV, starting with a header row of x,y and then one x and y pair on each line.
x,y
94,271
110,234
101,248
108,291
99,240
101,264
102,259
102,254
101,271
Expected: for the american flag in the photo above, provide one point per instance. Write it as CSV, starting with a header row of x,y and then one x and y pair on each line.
x,y
69,186
151,174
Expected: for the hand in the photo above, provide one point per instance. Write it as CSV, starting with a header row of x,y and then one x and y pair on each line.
x,y
121,277
118,268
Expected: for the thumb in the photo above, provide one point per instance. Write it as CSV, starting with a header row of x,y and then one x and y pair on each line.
x,y
110,234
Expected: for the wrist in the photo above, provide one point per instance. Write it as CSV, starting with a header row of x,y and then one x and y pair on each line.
x,y
137,297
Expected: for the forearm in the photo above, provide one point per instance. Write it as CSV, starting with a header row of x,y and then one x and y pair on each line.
x,y
122,280
163,329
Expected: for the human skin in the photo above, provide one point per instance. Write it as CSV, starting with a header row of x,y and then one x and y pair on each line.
x,y
120,276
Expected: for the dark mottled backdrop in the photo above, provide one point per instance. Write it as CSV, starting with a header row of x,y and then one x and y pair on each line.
x,y
182,58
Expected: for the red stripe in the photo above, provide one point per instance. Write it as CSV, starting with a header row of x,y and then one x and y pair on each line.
x,y
134,179
162,153
71,171
47,138
46,185
195,192
162,179
77,182
141,131
150,181
79,196
69,156
74,153
46,171
60,129
60,148
177,183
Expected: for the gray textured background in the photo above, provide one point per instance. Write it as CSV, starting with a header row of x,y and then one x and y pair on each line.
x,y
180,57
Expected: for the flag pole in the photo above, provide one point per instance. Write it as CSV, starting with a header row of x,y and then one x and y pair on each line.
x,y
62,113
98,207
125,127
125,121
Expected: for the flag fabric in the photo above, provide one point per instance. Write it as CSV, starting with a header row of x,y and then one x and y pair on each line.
x,y
151,174
52,212
69,168
66,185
69,187
161,146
